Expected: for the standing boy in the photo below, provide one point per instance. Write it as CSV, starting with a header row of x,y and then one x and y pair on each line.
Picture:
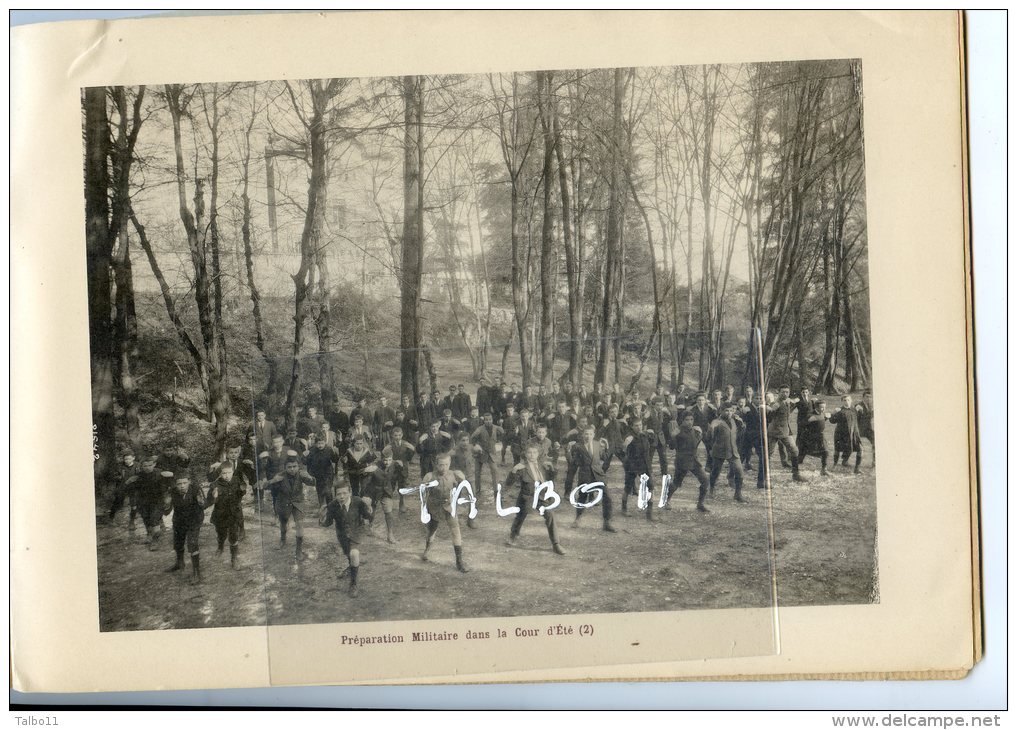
x,y
589,456
348,514
485,441
381,489
288,495
128,469
226,493
846,436
638,453
150,488
527,475
686,461
724,447
187,501
439,505
321,464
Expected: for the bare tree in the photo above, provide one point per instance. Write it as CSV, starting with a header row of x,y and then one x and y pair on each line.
x,y
206,292
516,133
412,260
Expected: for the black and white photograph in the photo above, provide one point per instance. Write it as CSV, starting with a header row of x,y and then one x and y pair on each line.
x,y
520,343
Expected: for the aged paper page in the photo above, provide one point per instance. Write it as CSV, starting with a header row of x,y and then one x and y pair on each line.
x,y
923,619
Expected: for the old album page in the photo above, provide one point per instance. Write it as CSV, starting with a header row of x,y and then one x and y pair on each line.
x,y
490,346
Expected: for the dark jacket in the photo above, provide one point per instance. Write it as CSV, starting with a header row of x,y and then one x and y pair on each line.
x,y
588,461
639,452
188,507
686,445
724,438
461,406
288,490
347,518
226,496
846,436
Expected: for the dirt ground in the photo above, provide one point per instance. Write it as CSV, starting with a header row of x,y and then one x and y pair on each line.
x,y
824,554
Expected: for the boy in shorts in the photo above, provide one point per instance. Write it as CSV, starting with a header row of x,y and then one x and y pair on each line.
x,y
347,513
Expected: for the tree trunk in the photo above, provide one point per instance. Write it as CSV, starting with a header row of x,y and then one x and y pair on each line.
x,y
547,293
310,240
167,296
97,249
411,270
126,328
217,394
272,384
612,265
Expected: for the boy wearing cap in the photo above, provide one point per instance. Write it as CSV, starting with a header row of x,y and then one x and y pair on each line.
x,y
348,513
187,500
288,494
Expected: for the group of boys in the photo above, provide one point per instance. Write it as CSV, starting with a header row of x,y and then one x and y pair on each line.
x,y
360,460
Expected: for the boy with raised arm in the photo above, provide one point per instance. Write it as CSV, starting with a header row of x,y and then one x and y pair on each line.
x,y
589,455
846,436
685,442
778,416
813,438
348,514
288,494
638,449
381,491
150,487
438,500
355,461
128,468
187,500
485,441
321,462
225,495
527,475
402,452
724,447
430,445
